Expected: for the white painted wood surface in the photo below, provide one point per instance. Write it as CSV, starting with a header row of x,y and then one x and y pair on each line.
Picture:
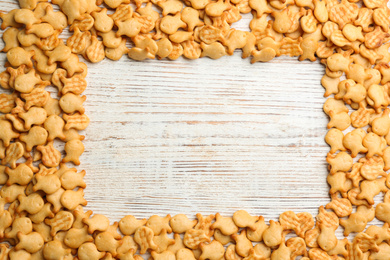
x,y
204,136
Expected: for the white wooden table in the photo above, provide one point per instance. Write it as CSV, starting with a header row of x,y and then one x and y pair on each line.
x,y
204,136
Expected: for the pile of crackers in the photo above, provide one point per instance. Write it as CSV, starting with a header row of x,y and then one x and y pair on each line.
x,y
42,199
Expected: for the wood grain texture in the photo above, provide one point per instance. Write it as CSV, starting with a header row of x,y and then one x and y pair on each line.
x,y
204,136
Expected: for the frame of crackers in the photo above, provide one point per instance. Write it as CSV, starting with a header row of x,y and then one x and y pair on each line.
x,y
41,199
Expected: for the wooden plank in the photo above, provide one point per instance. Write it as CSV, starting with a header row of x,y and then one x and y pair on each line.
x,y
205,136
